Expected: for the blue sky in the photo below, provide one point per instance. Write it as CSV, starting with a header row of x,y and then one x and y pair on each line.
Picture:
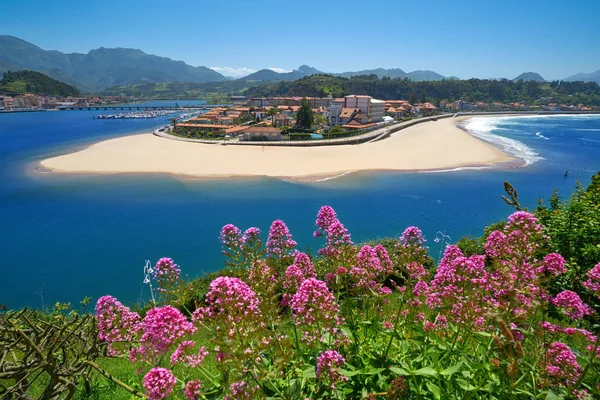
x,y
482,38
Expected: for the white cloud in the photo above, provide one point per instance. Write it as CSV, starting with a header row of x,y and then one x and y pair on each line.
x,y
234,72
279,70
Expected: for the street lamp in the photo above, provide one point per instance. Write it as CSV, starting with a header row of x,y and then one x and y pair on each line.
x,y
443,239
148,278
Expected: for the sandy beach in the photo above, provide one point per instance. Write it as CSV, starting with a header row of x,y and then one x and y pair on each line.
x,y
434,145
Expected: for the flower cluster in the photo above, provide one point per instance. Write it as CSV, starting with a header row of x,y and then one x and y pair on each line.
x,y
241,390
159,383
553,265
372,265
411,247
561,365
184,354
162,329
193,389
571,305
328,368
315,308
336,235
280,243
166,274
116,324
593,281
458,289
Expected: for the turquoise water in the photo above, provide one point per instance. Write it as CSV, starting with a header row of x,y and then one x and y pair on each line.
x,y
63,237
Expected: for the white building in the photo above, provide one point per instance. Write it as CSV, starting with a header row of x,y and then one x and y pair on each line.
x,y
366,106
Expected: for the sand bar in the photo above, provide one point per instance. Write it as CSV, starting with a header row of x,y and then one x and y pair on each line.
x,y
431,145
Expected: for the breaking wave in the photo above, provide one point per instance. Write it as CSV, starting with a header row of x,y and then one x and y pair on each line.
x,y
482,128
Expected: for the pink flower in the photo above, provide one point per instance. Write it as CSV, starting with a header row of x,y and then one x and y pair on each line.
x,y
336,236
593,282
162,328
193,390
159,383
167,274
315,306
183,354
328,368
280,243
561,365
302,261
116,323
571,305
241,391
554,264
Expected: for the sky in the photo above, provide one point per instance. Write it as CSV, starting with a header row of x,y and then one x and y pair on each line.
x,y
464,38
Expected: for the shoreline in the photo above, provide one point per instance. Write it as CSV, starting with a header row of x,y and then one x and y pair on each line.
x,y
432,146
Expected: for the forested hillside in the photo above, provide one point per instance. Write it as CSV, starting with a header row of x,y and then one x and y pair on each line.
x,y
20,82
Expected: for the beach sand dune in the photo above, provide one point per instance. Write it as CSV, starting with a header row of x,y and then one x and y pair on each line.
x,y
427,146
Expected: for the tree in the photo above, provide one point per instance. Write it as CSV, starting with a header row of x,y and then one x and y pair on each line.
x,y
304,117
273,111
423,98
336,129
412,99
173,122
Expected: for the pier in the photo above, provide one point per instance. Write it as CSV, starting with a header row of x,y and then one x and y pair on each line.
x,y
133,107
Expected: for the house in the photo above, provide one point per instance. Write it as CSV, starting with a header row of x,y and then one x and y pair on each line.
x,y
345,116
426,108
261,133
282,120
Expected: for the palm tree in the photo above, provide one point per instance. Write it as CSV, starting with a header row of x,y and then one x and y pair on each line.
x,y
273,111
173,122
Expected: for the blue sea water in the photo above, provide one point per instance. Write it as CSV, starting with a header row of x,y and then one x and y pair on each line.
x,y
63,237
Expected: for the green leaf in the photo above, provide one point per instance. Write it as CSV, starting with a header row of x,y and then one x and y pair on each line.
x,y
427,371
553,396
451,370
433,388
349,373
374,371
465,385
399,371
309,373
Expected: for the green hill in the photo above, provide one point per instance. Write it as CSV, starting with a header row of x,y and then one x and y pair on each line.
x,y
20,82
100,68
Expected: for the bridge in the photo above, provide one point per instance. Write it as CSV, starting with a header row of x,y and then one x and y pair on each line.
x,y
130,107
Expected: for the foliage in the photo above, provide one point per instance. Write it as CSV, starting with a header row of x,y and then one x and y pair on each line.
x,y
336,129
485,90
573,228
288,325
21,82
304,117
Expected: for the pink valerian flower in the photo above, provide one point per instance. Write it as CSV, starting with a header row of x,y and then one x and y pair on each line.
x,y
241,391
116,324
552,328
193,390
336,235
516,274
184,354
158,383
571,304
166,274
553,264
280,243
234,313
560,365
162,328
411,247
328,368
262,278
293,278
315,308
232,240
458,289
593,281
302,261
252,246
420,288
229,299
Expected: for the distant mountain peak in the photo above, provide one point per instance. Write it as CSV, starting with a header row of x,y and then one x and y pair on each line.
x,y
530,76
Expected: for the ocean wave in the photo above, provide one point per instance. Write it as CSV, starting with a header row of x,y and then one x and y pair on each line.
x,y
539,134
589,140
587,130
482,128
334,176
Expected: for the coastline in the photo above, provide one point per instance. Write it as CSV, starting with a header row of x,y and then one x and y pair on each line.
x,y
427,147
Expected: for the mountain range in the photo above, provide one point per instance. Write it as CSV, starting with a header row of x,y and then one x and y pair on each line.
x,y
106,67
